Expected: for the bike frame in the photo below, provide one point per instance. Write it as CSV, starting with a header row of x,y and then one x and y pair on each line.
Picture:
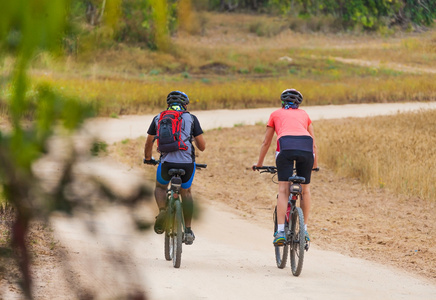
x,y
294,225
175,227
173,196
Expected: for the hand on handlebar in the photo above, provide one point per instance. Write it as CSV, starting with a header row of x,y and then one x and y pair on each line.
x,y
151,161
315,169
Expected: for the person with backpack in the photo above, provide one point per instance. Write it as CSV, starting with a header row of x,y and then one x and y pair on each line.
x,y
176,132
295,141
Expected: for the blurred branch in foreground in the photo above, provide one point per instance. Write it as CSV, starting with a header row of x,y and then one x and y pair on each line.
x,y
36,117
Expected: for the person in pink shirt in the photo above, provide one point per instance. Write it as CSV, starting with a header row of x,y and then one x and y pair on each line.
x,y
295,141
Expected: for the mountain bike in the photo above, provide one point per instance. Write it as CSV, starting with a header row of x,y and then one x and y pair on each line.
x,y
294,225
174,222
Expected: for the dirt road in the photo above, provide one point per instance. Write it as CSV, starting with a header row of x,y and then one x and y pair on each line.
x,y
112,130
232,257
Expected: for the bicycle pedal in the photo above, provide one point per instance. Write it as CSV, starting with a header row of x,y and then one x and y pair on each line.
x,y
279,243
306,247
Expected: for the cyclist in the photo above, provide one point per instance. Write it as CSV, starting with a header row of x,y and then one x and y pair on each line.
x,y
295,141
192,133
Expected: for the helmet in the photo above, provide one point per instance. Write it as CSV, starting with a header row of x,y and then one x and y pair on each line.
x,y
291,95
177,97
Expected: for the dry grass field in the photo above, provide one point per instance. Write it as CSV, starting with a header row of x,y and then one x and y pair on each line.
x,y
395,152
236,61
373,221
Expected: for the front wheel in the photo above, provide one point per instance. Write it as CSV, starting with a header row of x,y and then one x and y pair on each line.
x,y
168,246
281,252
298,241
177,236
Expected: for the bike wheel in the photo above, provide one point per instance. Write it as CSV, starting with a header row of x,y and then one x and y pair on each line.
x,y
177,236
298,241
281,252
168,233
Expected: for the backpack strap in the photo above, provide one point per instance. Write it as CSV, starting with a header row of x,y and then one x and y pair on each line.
x,y
156,120
189,138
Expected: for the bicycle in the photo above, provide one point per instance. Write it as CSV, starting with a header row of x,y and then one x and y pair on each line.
x,y
294,225
174,222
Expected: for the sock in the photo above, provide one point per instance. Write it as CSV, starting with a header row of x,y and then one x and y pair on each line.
x,y
305,227
281,227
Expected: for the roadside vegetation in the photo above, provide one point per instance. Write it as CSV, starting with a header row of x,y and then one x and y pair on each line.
x,y
392,152
233,60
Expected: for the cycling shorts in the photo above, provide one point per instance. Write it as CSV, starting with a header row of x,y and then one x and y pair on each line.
x,y
162,173
285,164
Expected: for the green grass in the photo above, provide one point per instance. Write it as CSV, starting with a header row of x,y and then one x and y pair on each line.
x,y
98,148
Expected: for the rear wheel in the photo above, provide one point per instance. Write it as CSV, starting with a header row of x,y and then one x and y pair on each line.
x,y
281,252
168,233
177,236
298,241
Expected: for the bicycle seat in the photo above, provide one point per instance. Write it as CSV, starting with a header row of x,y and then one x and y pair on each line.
x,y
179,172
297,179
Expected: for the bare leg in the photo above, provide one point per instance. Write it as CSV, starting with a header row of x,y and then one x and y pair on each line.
x,y
160,194
305,202
188,205
282,201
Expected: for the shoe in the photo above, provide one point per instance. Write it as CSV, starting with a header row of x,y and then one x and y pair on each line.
x,y
189,237
306,235
279,238
159,224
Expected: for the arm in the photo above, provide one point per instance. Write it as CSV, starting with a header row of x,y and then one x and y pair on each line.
x,y
265,145
200,142
315,150
148,147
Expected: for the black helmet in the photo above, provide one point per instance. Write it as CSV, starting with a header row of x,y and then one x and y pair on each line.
x,y
177,97
291,95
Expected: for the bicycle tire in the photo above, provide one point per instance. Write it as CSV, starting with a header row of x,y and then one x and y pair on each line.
x,y
168,233
298,241
281,252
177,237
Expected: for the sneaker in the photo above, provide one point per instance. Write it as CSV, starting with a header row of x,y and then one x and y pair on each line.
x,y
189,237
279,238
159,224
306,235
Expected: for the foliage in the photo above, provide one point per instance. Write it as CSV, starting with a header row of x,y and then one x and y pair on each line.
x,y
368,14
97,23
26,29
148,23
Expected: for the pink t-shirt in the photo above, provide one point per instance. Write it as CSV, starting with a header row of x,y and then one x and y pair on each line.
x,y
289,122
293,122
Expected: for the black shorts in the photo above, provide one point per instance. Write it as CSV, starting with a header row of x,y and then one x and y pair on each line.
x,y
166,166
285,163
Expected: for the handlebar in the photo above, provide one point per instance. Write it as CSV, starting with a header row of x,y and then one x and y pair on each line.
x,y
273,170
266,169
156,162
150,161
